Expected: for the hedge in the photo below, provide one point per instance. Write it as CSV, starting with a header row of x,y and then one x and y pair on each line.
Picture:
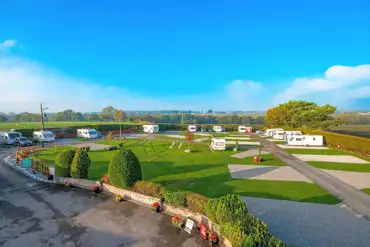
x,y
345,142
80,164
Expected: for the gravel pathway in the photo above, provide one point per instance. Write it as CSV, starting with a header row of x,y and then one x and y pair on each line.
x,y
244,143
309,224
237,138
92,145
248,153
331,158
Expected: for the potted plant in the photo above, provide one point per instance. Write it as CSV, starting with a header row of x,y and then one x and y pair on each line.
x,y
117,198
212,238
156,207
177,221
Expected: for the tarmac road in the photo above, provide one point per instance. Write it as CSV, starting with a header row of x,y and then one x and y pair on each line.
x,y
352,197
37,214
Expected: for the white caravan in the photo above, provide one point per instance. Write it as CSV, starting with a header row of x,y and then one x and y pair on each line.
x,y
271,132
306,140
44,136
289,134
150,128
87,133
9,137
192,128
278,135
244,129
218,144
218,128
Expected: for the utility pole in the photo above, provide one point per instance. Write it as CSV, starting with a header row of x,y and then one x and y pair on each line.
x,y
42,116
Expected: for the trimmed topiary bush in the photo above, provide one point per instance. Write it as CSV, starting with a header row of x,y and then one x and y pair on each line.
x,y
124,169
63,163
80,164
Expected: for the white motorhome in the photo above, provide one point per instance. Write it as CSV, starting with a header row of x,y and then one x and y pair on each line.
x,y
278,135
218,128
271,132
244,129
87,133
9,137
150,128
192,128
306,140
218,144
289,134
44,136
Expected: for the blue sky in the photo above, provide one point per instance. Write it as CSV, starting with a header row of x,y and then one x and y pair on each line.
x,y
226,55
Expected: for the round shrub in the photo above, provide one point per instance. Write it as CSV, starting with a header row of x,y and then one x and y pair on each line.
x,y
124,169
80,164
64,159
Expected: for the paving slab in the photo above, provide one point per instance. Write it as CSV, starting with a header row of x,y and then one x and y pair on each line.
x,y
359,180
276,173
299,147
331,158
92,145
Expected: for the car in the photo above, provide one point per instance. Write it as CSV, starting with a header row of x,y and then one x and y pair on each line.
x,y
22,141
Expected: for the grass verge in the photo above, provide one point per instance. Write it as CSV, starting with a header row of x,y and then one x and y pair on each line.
x,y
340,166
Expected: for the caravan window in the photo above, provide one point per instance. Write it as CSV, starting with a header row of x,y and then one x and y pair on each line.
x,y
48,136
92,132
314,138
13,135
298,139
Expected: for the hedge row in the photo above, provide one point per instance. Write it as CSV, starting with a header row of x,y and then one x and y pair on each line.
x,y
229,212
345,142
71,131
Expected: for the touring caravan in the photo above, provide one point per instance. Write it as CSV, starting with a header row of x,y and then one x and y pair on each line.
x,y
306,140
44,136
150,128
87,133
244,129
192,128
278,135
271,132
218,128
218,144
8,138
289,134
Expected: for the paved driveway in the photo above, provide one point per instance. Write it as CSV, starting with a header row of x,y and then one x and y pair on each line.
x,y
34,214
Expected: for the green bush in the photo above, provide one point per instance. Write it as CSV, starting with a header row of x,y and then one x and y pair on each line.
x,y
64,159
234,233
124,169
177,199
80,164
61,172
149,189
120,144
196,202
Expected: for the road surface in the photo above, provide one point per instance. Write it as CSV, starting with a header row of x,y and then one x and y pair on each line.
x,y
352,197
36,214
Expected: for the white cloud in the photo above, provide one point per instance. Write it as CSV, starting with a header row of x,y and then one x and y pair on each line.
x,y
340,85
25,84
7,44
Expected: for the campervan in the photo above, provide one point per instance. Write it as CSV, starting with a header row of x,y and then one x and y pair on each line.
x,y
271,132
192,128
278,135
87,133
289,134
218,144
218,128
306,140
244,129
150,128
9,137
44,136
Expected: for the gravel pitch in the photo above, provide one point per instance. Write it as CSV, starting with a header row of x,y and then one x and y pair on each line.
x,y
331,158
248,153
309,224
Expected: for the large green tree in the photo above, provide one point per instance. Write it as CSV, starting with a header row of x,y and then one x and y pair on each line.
x,y
297,114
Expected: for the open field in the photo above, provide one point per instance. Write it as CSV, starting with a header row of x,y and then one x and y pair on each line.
x,y
355,130
202,171
37,125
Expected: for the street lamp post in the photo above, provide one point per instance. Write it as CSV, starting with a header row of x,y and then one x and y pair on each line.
x,y
42,109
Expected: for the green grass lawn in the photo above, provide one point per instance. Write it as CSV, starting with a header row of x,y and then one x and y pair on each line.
x,y
340,166
316,151
203,171
367,191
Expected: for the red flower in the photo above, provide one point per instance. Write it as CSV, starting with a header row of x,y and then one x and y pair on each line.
x,y
155,205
